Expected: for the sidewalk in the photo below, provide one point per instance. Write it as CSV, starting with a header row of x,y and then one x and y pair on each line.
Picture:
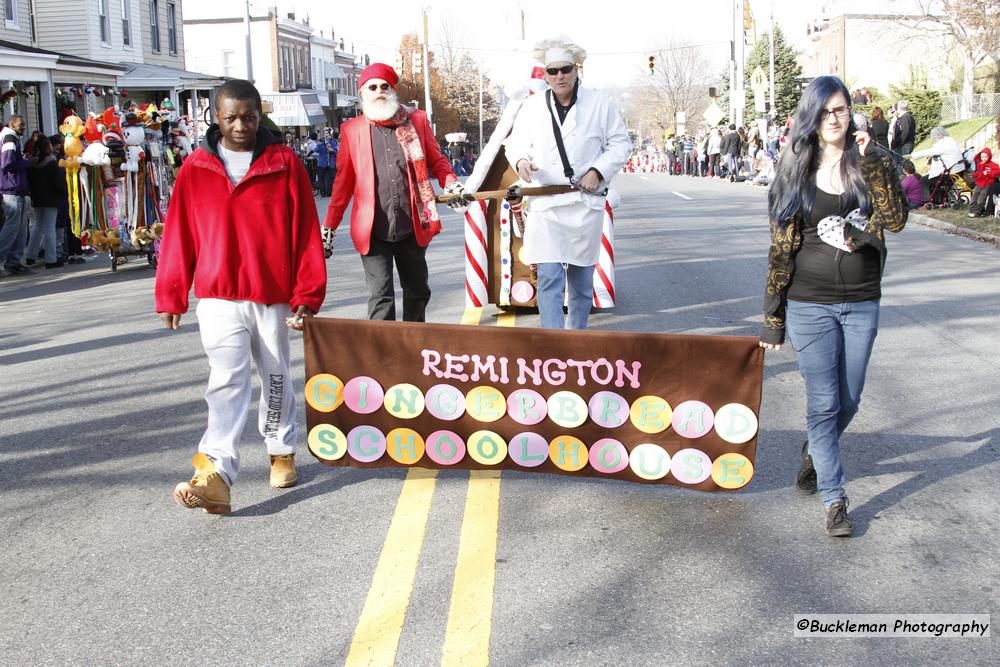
x,y
949,228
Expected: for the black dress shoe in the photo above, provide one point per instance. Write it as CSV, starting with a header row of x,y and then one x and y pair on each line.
x,y
805,478
53,265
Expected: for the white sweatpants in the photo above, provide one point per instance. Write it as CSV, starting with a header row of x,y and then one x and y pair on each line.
x,y
232,332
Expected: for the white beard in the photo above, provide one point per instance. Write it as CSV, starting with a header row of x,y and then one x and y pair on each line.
x,y
379,109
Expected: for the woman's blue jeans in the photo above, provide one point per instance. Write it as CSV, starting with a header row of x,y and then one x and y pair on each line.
x,y
552,278
43,231
833,343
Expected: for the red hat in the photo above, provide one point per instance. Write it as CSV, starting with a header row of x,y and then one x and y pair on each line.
x,y
378,71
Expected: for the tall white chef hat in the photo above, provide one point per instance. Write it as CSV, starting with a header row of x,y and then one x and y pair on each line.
x,y
558,50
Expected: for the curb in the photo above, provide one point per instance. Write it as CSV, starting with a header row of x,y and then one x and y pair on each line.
x,y
949,228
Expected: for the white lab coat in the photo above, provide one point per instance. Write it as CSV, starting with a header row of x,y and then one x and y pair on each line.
x,y
567,227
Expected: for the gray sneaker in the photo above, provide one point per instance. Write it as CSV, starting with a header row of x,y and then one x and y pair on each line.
x,y
837,523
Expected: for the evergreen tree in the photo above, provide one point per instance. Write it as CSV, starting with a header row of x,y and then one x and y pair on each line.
x,y
786,74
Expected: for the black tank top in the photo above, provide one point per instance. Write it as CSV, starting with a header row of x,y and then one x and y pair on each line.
x,y
825,274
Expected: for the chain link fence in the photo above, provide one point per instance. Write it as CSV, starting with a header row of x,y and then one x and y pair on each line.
x,y
955,107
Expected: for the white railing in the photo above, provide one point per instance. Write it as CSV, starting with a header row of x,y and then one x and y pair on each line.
x,y
985,136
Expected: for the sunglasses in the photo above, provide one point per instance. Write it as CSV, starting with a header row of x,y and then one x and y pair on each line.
x,y
375,86
565,69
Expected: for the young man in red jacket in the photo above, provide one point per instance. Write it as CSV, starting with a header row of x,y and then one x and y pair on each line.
x,y
242,225
385,161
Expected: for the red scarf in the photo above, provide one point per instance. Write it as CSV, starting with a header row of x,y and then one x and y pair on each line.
x,y
409,141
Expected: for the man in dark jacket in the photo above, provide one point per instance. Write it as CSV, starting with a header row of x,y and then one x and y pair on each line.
x,y
14,188
906,129
730,149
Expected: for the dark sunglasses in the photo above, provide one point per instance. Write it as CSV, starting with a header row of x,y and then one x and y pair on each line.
x,y
375,86
565,69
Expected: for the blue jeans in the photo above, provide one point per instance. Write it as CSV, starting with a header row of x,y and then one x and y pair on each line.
x,y
14,234
552,278
44,229
833,343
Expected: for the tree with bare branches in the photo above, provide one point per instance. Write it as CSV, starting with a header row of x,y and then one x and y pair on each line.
x,y
680,81
974,25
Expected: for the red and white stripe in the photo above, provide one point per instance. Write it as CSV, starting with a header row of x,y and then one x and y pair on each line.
x,y
476,256
604,272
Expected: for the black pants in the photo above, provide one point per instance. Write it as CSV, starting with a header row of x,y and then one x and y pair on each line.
x,y
411,263
325,180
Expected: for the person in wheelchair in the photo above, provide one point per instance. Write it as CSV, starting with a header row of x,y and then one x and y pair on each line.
x,y
945,159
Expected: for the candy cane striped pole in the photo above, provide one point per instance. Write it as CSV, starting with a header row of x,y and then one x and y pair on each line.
x,y
604,272
476,256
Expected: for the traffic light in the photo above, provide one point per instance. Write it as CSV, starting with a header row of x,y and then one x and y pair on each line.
x,y
652,65
399,64
417,63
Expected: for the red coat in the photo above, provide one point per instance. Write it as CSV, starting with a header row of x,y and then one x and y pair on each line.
x,y
257,241
987,171
356,177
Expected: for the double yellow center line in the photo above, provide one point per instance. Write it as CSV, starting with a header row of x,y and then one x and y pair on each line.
x,y
467,638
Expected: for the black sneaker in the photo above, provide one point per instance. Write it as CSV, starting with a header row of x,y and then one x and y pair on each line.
x,y
805,478
17,269
837,523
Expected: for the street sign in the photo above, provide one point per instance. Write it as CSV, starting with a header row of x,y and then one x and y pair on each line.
x,y
713,114
758,101
758,80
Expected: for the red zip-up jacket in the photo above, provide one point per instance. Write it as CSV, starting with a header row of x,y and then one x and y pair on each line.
x,y
356,178
256,241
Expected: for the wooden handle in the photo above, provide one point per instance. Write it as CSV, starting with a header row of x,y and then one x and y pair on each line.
x,y
536,191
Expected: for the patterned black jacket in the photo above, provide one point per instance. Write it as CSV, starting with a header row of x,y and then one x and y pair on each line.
x,y
889,211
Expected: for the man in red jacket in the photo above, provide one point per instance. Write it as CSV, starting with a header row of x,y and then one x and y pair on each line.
x,y
385,161
242,226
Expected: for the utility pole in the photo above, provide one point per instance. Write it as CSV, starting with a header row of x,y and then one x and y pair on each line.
x,y
427,76
770,49
733,86
740,59
246,21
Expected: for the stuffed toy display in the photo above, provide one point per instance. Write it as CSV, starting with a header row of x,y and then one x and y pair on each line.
x,y
72,129
118,203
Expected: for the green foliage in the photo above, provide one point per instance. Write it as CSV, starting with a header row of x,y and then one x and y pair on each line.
x,y
925,106
786,74
266,121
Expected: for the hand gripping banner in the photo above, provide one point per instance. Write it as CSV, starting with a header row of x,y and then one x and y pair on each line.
x,y
655,408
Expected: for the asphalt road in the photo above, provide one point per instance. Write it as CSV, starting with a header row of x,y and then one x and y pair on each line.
x,y
101,410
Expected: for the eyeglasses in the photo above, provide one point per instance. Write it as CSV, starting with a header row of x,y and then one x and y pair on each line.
x,y
565,69
375,86
840,112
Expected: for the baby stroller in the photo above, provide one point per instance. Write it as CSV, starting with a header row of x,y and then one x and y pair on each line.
x,y
949,190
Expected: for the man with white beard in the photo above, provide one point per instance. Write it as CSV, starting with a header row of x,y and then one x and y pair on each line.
x,y
385,161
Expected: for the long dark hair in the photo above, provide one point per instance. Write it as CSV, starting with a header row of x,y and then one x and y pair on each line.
x,y
794,187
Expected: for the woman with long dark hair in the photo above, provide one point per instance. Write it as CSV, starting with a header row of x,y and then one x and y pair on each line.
x,y
879,129
832,198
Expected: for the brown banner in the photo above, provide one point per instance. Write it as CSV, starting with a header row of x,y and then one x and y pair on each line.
x,y
658,408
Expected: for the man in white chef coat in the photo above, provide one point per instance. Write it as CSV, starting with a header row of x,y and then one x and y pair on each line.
x,y
562,233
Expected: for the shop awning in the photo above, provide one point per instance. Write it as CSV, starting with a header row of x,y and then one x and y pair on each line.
x,y
141,76
295,109
332,71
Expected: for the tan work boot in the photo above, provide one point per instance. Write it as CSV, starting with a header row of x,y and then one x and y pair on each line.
x,y
206,489
283,471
